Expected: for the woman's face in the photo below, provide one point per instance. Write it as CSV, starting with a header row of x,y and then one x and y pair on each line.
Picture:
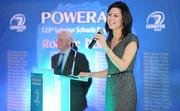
x,y
114,18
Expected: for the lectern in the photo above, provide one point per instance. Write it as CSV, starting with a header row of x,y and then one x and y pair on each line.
x,y
50,92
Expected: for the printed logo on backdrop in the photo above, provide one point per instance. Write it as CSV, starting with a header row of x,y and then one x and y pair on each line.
x,y
17,22
155,21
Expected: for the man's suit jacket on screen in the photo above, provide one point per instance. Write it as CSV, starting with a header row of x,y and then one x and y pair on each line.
x,y
79,89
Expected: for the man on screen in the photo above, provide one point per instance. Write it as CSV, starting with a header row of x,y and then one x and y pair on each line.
x,y
62,63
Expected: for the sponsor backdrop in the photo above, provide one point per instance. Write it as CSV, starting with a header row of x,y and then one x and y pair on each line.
x,y
27,39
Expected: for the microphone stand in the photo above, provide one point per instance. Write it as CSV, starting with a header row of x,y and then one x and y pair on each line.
x,y
75,48
74,61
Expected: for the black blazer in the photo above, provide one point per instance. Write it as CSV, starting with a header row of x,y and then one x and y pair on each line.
x,y
79,89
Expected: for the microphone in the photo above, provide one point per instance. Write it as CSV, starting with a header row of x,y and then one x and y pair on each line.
x,y
73,46
94,41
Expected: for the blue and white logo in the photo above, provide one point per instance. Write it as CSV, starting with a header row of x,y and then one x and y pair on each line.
x,y
17,23
36,97
155,21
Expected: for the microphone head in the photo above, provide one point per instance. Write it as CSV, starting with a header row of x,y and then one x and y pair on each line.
x,y
73,46
100,31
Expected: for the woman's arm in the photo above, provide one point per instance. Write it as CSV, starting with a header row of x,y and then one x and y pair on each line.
x,y
129,53
99,74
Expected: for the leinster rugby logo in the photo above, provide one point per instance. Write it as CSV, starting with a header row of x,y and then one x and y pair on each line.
x,y
36,97
155,21
17,23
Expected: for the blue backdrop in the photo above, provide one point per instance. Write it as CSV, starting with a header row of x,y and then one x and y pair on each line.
x,y
27,39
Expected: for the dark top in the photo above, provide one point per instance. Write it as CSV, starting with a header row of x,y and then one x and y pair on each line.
x,y
120,86
79,89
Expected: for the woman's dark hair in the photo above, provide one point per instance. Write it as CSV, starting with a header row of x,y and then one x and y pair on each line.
x,y
126,19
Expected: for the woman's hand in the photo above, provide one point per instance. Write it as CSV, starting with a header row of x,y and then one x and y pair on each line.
x,y
101,40
103,43
85,74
